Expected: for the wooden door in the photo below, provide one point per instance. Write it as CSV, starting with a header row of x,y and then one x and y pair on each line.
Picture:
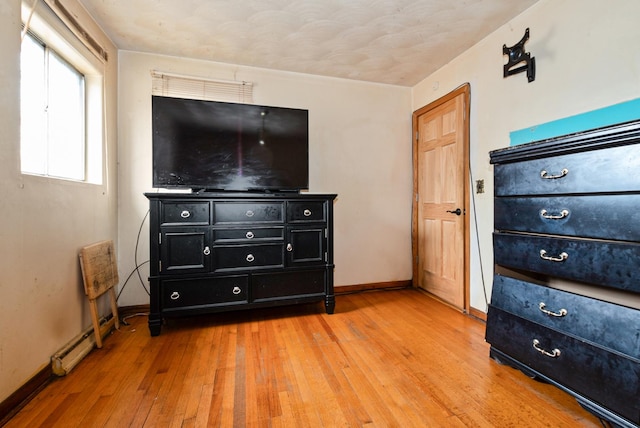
x,y
441,193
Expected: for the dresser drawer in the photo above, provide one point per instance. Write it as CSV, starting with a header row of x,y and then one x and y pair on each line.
x,y
590,319
595,216
190,293
247,234
230,257
249,212
306,211
605,263
610,378
268,286
613,169
184,212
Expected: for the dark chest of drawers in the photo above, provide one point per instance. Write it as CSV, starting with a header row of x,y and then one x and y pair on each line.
x,y
220,252
565,299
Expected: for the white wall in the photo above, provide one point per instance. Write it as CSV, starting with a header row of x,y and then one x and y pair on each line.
x,y
586,57
360,148
43,225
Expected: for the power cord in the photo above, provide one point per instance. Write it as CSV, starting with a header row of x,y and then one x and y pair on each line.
x,y
475,221
129,277
137,267
135,254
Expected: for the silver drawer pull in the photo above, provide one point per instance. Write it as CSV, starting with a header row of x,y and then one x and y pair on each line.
x,y
289,247
562,257
544,174
249,235
175,295
307,213
249,213
545,214
185,214
553,354
561,313
206,251
236,290
250,258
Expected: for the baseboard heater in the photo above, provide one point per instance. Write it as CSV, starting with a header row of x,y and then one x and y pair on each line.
x,y
63,361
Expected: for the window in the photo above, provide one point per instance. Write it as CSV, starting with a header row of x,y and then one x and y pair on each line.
x,y
52,97
62,96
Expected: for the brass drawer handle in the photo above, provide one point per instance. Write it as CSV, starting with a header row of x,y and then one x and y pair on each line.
x,y
561,313
249,235
206,251
289,247
563,214
553,354
307,213
561,258
544,174
185,214
250,258
175,295
236,290
249,213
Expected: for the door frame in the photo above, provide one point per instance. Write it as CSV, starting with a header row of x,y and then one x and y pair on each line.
x,y
465,90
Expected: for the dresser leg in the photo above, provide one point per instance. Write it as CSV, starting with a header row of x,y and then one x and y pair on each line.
x,y
155,323
330,303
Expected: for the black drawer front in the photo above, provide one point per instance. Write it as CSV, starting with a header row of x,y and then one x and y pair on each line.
x,y
594,320
287,284
248,234
306,211
604,263
185,212
243,212
189,293
607,378
610,170
598,216
247,256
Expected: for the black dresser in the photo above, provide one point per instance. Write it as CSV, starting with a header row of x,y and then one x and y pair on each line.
x,y
219,252
565,303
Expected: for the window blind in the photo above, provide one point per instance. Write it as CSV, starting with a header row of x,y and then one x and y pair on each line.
x,y
181,86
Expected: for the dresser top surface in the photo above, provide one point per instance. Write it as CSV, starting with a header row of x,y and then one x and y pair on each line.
x,y
232,196
595,139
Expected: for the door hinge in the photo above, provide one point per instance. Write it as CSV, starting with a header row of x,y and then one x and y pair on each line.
x,y
160,266
417,135
417,197
159,238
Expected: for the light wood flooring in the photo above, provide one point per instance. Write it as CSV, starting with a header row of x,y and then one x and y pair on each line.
x,y
384,359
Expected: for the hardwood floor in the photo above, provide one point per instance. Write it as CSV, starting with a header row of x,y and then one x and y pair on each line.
x,y
384,359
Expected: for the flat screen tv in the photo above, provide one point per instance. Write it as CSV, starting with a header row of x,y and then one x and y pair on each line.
x,y
219,146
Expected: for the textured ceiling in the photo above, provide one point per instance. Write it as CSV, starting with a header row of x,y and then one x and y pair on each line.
x,y
398,42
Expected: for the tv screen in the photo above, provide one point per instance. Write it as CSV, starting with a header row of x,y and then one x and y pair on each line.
x,y
218,146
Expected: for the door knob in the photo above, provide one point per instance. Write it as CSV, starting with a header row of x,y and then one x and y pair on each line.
x,y
458,211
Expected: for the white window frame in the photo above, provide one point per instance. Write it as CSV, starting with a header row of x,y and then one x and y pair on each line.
x,y
51,31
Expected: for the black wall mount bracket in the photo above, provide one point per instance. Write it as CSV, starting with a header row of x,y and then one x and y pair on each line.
x,y
517,55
